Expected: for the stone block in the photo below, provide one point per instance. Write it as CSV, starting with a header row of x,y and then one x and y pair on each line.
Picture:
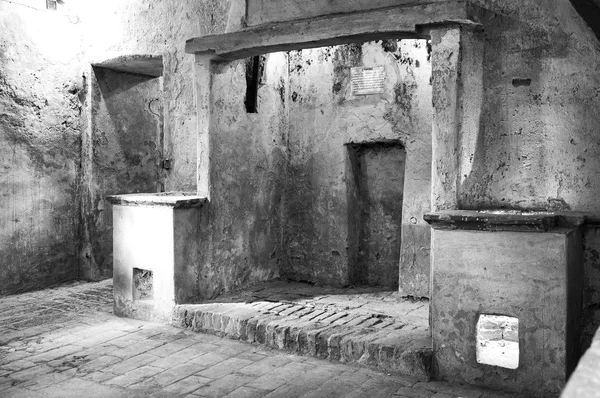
x,y
534,277
154,235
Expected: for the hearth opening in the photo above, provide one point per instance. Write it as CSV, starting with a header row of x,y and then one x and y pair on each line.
x,y
498,341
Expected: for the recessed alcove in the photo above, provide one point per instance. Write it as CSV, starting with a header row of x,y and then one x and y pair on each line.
x,y
123,145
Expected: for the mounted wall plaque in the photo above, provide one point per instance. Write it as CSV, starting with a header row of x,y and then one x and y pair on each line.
x,y
367,80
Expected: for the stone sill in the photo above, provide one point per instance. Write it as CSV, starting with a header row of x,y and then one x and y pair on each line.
x,y
508,220
176,200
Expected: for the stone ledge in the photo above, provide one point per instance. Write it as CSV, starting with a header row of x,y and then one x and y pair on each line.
x,y
387,344
176,200
508,220
142,64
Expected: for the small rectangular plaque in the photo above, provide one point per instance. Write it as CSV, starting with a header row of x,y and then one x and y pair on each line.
x,y
367,80
51,5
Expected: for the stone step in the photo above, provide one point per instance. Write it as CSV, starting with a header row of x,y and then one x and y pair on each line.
x,y
372,340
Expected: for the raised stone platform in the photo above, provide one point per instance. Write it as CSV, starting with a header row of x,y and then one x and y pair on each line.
x,y
368,326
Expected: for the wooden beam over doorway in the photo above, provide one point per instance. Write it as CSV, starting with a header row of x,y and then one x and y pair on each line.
x,y
389,23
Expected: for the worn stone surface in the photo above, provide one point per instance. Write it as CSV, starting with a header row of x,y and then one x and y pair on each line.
x,y
532,276
89,349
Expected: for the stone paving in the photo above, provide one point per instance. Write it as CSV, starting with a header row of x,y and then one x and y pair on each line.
x,y
65,342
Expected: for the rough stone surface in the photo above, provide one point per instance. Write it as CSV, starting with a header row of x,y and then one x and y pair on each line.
x,y
85,348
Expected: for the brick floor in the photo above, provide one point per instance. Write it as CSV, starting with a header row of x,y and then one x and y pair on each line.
x,y
67,343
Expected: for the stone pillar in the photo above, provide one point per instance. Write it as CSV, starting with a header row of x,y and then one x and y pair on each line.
x,y
457,79
202,88
523,268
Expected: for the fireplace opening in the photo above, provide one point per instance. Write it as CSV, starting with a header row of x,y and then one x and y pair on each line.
x,y
498,341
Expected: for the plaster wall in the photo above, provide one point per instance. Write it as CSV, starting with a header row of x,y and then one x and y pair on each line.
x,y
324,116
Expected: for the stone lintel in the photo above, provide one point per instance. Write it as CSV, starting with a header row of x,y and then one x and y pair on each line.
x,y
176,200
507,220
141,64
407,21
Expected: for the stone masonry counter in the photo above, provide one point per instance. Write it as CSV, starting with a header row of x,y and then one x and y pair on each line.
x,y
155,245
524,271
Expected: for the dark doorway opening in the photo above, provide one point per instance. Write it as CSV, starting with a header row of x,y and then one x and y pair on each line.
x,y
375,212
